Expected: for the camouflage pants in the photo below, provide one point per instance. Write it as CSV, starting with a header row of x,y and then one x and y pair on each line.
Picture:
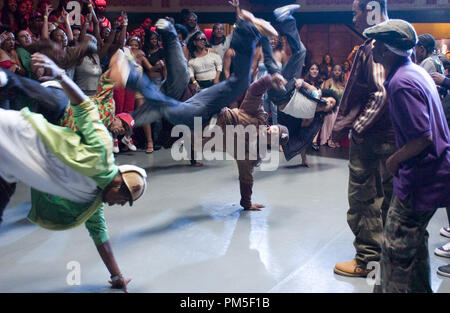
x,y
369,194
405,264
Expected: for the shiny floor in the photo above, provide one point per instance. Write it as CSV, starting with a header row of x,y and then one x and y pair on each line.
x,y
189,234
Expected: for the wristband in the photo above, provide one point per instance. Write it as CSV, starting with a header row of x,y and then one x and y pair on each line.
x,y
116,277
125,24
45,17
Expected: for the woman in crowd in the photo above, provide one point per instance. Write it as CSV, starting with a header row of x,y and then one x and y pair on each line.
x,y
9,15
347,69
182,35
205,65
326,67
281,58
313,78
157,70
142,63
8,56
337,84
23,15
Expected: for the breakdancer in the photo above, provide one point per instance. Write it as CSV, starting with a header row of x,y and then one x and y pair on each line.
x,y
301,106
211,101
71,174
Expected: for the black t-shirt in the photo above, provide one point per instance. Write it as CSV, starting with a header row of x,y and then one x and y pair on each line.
x,y
153,58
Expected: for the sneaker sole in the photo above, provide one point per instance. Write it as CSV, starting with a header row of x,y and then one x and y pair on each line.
x,y
443,273
342,273
442,253
263,26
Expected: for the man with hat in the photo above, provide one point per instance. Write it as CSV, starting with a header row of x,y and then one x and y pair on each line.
x,y
363,112
421,164
71,174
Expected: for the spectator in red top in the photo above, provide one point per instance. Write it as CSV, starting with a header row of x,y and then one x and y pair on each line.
x,y
140,31
23,15
100,12
9,15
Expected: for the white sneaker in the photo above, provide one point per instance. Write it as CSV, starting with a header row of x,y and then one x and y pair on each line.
x,y
116,146
443,251
3,79
283,12
445,231
129,143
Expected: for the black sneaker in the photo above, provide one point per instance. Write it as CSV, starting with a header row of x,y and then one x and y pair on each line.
x,y
444,270
315,146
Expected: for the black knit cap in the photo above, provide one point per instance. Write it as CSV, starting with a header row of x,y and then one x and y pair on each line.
x,y
284,134
396,33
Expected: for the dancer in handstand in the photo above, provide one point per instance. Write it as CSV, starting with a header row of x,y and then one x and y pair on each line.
x,y
301,106
71,174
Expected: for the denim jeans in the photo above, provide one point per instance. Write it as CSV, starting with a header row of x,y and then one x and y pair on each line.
x,y
205,103
177,70
50,102
293,68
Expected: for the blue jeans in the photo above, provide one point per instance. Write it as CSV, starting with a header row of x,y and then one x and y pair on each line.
x,y
50,102
205,103
293,68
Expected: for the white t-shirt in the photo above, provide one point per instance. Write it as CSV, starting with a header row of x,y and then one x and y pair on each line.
x,y
223,47
300,106
24,157
205,67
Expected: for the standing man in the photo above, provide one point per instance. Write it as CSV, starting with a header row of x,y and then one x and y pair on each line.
x,y
363,112
426,56
189,20
421,165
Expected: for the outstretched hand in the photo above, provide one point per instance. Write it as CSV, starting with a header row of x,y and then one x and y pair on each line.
x,y
279,82
255,207
40,62
234,3
121,283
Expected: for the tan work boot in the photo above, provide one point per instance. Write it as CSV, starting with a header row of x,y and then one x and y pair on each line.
x,y
350,269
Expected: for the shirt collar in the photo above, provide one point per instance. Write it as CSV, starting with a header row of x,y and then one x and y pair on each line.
x,y
403,61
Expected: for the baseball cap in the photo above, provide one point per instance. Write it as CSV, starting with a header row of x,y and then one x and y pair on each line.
x,y
129,121
135,180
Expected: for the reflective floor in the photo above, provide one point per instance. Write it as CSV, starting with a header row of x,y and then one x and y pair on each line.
x,y
189,234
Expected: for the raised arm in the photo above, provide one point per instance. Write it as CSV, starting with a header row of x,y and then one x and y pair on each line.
x,y
229,54
52,71
235,5
123,33
65,19
44,30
